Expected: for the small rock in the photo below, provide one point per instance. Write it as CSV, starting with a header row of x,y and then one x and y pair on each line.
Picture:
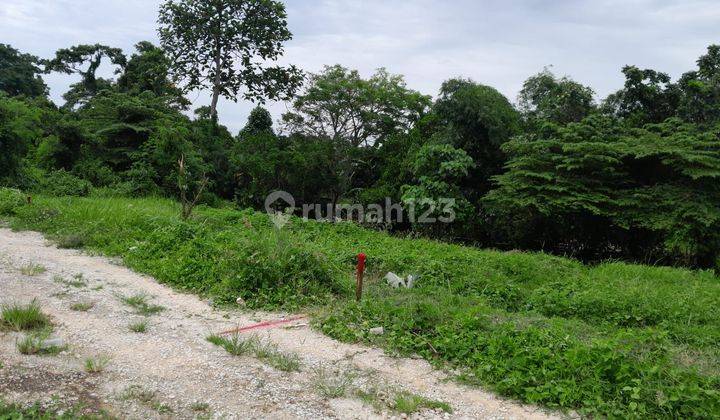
x,y
240,301
53,342
377,331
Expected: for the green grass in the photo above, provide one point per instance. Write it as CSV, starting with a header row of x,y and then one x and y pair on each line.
x,y
9,411
82,306
263,350
96,364
19,317
140,303
333,383
408,403
78,281
33,344
139,327
146,397
32,270
611,340
200,407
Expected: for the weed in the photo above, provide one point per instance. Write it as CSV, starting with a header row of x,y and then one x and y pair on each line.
x,y
82,306
39,411
234,345
265,351
270,354
34,344
333,384
146,397
408,403
162,408
24,317
32,269
140,303
200,407
96,364
139,326
138,393
77,281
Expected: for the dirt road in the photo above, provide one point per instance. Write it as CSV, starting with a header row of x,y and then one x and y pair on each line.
x,y
171,371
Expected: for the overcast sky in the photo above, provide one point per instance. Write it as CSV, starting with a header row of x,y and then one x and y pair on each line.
x,y
494,42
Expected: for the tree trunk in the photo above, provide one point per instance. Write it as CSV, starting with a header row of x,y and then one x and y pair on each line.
x,y
213,104
216,86
218,69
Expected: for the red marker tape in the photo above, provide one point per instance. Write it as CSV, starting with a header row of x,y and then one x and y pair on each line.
x,y
266,324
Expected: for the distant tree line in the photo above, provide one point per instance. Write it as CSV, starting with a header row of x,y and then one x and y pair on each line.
x,y
634,176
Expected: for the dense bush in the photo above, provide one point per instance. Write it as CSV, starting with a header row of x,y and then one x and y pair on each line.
x,y
10,200
61,183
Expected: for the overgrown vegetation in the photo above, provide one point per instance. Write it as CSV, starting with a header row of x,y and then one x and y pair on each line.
x,y
613,339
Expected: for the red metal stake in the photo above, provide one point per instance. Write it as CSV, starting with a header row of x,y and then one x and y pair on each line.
x,y
360,271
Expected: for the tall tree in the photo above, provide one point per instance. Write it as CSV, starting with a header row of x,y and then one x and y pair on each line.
x,y
701,89
19,73
648,96
545,97
223,45
479,120
85,61
354,117
149,69
339,104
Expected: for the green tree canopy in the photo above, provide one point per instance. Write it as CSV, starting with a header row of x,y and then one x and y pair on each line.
x,y
339,104
224,44
596,190
701,89
479,120
20,73
259,121
148,70
545,97
648,96
85,61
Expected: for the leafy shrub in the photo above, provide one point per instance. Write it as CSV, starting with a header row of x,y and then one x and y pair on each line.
x,y
61,183
279,271
10,200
